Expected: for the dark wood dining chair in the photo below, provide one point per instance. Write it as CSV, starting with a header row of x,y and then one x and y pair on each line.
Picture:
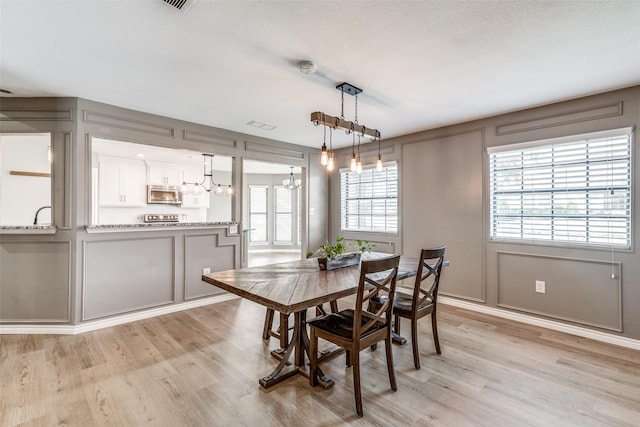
x,y
423,300
356,329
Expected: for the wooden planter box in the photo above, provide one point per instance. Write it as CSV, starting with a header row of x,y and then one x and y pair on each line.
x,y
343,260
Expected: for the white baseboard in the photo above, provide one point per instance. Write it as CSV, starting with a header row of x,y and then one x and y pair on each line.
x,y
543,323
111,321
146,314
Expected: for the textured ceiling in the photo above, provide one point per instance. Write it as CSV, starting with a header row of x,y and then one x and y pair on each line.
x,y
421,64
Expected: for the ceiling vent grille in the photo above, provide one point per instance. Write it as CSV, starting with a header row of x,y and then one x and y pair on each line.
x,y
179,4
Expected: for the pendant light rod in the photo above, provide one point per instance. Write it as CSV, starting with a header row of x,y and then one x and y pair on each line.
x,y
319,118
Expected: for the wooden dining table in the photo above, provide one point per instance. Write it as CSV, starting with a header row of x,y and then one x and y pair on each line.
x,y
292,288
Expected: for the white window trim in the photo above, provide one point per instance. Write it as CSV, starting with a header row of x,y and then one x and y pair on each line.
x,y
559,140
347,232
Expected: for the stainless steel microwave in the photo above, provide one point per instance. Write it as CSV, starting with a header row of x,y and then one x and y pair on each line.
x,y
164,195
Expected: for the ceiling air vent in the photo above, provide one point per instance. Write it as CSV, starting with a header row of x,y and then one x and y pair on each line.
x,y
182,5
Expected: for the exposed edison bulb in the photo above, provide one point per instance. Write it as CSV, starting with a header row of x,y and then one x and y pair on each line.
x,y
218,189
196,190
184,187
353,163
358,165
379,163
330,163
324,157
229,190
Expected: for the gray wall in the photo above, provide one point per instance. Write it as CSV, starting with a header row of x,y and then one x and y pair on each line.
x,y
443,191
74,276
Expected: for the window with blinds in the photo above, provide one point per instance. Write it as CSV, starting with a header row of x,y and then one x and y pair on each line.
x,y
283,215
569,190
258,213
369,200
299,196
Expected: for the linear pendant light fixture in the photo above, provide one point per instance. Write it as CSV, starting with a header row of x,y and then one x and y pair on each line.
x,y
350,127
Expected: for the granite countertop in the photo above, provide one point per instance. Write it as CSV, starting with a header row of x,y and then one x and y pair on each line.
x,y
160,225
28,229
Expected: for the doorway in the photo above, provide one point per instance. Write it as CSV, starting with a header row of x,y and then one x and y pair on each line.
x,y
272,212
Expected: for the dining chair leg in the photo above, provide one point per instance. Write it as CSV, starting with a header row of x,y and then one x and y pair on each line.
x,y
392,373
396,324
414,342
284,330
434,327
355,355
348,358
268,324
313,358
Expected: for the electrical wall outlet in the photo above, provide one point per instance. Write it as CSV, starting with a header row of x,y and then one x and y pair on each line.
x,y
206,270
540,286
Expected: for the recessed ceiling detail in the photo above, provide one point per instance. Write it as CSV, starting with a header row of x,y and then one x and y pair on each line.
x,y
261,125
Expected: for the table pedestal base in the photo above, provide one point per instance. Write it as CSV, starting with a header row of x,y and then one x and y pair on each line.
x,y
299,346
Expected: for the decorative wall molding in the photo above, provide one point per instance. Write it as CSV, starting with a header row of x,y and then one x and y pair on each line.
x,y
544,323
68,181
254,147
584,287
29,115
600,112
95,118
222,239
85,245
189,135
6,240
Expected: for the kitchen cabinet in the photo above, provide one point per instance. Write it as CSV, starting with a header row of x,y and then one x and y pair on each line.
x,y
164,174
193,201
121,182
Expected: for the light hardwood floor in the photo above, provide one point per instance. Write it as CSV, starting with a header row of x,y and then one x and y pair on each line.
x,y
200,367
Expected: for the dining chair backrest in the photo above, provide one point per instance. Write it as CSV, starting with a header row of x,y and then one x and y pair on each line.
x,y
427,281
377,278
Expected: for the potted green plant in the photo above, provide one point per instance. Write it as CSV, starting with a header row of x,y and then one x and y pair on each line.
x,y
336,255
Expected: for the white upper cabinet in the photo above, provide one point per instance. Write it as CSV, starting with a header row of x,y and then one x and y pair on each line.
x,y
164,174
121,182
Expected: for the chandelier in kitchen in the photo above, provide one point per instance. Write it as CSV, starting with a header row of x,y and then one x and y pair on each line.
x,y
327,158
291,183
207,183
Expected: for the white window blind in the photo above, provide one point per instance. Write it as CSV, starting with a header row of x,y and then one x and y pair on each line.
x,y
258,211
369,200
283,214
299,198
575,190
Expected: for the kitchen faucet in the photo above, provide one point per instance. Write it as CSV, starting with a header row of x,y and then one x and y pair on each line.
x,y
35,220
